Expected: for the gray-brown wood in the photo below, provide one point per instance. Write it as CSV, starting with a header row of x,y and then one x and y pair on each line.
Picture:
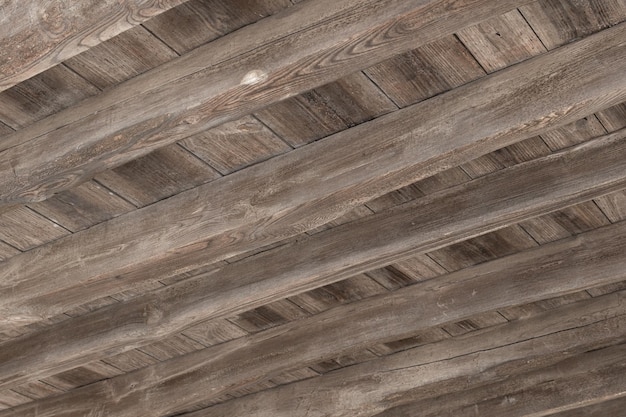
x,y
520,192
494,355
308,45
308,187
38,35
588,324
606,408
591,378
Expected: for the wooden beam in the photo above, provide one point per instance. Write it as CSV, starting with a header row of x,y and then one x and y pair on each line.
x,y
520,192
308,187
607,408
454,364
571,388
157,390
362,390
595,258
308,45
38,35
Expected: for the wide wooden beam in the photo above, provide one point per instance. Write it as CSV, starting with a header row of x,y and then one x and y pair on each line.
x,y
308,187
308,45
574,387
37,35
515,194
595,258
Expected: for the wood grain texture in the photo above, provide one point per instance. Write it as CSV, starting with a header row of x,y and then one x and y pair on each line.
x,y
127,55
501,41
42,96
590,378
199,21
447,366
438,220
317,183
38,35
304,47
560,21
588,324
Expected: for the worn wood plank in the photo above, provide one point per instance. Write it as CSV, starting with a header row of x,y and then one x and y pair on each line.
x,y
304,47
41,96
591,378
588,324
366,389
522,191
425,71
125,56
199,21
325,110
606,408
560,21
36,36
501,41
308,187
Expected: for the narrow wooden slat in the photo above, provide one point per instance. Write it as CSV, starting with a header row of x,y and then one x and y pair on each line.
x,y
519,192
572,264
303,47
37,36
312,185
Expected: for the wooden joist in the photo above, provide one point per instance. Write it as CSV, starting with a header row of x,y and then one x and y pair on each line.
x,y
593,259
308,45
515,194
164,388
312,185
569,388
362,390
38,35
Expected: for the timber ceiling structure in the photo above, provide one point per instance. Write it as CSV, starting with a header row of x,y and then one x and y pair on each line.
x,y
312,208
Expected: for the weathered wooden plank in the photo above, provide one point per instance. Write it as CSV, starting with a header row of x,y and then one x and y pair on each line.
x,y
36,36
574,382
587,324
519,192
606,408
305,46
318,182
593,377
557,22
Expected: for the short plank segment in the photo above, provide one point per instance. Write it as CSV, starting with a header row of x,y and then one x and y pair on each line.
x,y
36,36
589,324
317,183
305,46
512,195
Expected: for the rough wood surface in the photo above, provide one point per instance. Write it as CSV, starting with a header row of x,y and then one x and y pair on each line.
x,y
520,192
447,366
305,46
591,323
38,35
590,378
314,184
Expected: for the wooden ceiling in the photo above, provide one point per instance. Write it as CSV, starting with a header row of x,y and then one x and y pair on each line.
x,y
313,208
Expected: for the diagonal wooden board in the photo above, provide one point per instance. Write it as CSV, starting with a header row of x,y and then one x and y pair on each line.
x,y
491,202
307,45
312,185
588,324
38,35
